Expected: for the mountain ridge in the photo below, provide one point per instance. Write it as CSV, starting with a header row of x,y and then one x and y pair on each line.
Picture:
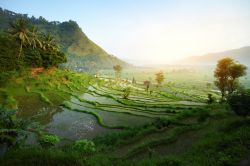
x,y
82,53
241,54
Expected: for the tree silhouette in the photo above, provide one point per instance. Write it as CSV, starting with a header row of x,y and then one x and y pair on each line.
x,y
159,77
35,38
49,42
239,102
147,84
117,69
20,31
227,73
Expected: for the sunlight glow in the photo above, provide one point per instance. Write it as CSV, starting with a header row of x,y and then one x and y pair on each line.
x,y
151,32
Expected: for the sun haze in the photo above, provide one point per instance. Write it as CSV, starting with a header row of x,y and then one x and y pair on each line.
x,y
151,32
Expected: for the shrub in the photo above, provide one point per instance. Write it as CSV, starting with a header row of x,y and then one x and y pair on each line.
x,y
12,129
84,146
210,98
126,93
49,140
239,102
203,115
161,123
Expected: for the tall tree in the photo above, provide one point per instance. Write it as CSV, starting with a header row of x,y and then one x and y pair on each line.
x,y
20,31
227,73
147,84
118,70
159,77
35,38
49,42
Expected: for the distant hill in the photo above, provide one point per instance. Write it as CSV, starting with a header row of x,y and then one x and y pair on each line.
x,y
82,53
241,54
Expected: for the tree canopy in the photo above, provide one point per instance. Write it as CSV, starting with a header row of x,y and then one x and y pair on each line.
x,y
227,73
117,69
159,77
24,46
239,102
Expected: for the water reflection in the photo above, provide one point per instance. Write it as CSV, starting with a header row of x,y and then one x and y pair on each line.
x,y
75,125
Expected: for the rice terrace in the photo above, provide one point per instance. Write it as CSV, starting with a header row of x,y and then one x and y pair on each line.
x,y
65,101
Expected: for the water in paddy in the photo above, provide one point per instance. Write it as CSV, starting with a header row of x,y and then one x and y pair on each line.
x,y
75,125
60,121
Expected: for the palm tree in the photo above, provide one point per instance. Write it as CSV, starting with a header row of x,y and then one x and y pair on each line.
x,y
35,38
19,30
49,42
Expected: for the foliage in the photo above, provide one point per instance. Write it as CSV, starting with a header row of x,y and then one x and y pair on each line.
x,y
41,157
239,102
209,85
126,92
227,73
81,52
20,31
161,123
146,84
118,70
12,130
84,146
44,58
133,80
159,77
210,98
8,53
48,140
38,50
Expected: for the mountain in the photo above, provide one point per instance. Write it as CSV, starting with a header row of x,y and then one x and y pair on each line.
x,y
82,53
241,54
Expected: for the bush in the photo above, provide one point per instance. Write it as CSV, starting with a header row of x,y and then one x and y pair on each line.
x,y
240,102
126,93
49,140
13,129
203,115
84,146
210,98
161,123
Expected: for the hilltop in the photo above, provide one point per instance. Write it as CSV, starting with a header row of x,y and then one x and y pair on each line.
x,y
240,54
82,53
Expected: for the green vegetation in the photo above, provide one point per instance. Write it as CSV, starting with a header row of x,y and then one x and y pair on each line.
x,y
118,70
53,116
82,53
168,126
126,93
240,102
35,50
159,77
227,73
12,131
84,146
49,140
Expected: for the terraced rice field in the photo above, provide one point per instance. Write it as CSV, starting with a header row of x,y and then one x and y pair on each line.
x,y
104,100
99,104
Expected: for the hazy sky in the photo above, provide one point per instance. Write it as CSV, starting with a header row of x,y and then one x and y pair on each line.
x,y
150,31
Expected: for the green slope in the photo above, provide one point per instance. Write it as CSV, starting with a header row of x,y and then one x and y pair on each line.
x,y
82,53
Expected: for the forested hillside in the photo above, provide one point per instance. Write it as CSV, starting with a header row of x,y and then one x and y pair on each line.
x,y
82,54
